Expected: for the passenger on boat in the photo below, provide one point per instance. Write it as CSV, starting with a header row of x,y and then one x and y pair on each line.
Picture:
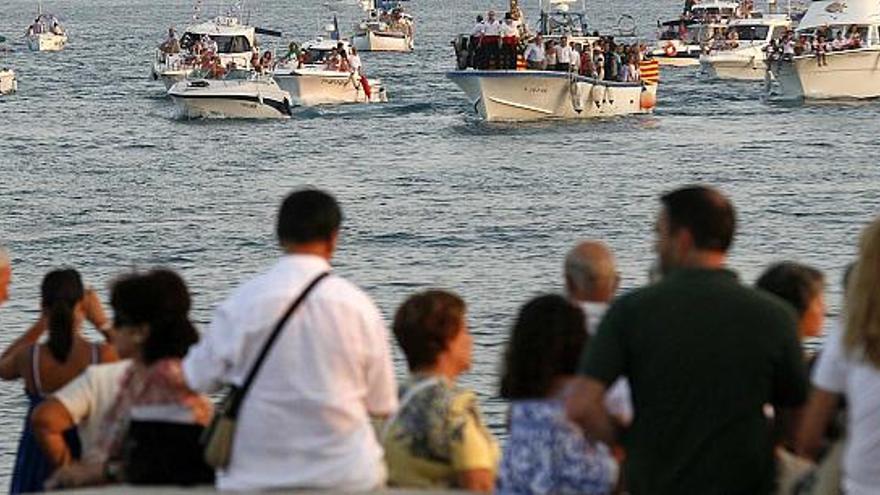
x,y
839,43
255,63
535,55
266,61
855,40
56,28
802,46
550,51
732,40
171,43
475,54
820,47
599,59
630,71
344,65
331,61
509,42
564,55
587,67
788,47
216,70
209,44
354,62
490,40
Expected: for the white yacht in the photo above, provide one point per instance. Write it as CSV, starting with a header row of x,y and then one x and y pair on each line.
x,y
241,95
311,82
234,43
852,72
525,95
680,41
46,34
387,28
743,56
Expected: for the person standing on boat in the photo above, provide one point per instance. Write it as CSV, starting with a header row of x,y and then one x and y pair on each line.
x,y
535,54
564,55
476,53
509,42
357,71
490,41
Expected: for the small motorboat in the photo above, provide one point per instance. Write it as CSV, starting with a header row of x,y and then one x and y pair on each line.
x,y
387,28
743,55
851,71
310,81
680,41
240,95
46,34
8,83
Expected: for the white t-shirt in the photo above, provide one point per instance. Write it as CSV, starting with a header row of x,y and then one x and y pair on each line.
x,y
508,30
354,61
843,373
564,54
305,422
479,28
492,28
88,397
534,52
618,400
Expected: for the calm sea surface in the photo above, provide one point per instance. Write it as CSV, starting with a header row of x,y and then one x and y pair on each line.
x,y
96,173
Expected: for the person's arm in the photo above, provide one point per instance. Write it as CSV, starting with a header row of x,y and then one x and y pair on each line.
x,y
94,313
819,411
208,361
50,420
381,386
12,358
585,406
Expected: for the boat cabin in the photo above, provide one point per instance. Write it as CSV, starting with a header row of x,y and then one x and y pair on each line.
x,y
230,36
315,51
558,18
759,29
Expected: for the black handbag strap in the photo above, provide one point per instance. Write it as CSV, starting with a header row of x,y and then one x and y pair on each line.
x,y
241,391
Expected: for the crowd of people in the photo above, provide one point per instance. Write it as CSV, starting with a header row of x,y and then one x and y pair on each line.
x,y
822,42
693,383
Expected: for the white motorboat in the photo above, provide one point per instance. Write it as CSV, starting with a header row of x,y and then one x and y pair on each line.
x,y
743,56
311,82
46,34
235,43
8,83
523,95
241,95
680,41
852,72
387,28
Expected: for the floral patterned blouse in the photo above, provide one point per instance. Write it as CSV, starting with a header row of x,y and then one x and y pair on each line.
x,y
546,453
437,433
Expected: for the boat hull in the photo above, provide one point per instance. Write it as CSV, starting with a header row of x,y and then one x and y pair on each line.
x,y
746,65
8,84
230,100
853,74
517,96
370,41
310,88
46,42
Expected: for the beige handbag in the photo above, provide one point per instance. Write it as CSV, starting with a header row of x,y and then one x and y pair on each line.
x,y
218,437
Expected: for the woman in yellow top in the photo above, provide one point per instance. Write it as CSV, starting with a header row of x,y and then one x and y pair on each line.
x,y
437,439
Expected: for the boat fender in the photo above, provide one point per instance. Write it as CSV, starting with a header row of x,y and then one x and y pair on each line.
x,y
670,50
609,95
596,95
576,96
647,101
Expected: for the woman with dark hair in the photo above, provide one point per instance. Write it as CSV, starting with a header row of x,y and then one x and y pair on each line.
x,y
803,287
437,438
151,433
48,366
546,453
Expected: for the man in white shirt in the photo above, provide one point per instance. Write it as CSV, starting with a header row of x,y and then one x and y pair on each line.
x,y
563,55
305,422
490,41
534,54
591,280
510,41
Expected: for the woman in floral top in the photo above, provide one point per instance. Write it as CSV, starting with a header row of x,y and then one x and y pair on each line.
x,y
437,439
546,453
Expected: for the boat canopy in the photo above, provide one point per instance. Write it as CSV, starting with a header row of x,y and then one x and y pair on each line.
x,y
841,12
230,36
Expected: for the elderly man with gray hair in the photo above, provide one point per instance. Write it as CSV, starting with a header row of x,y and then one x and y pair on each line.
x,y
5,274
591,280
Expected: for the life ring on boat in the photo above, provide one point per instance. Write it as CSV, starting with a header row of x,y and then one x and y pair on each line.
x,y
670,50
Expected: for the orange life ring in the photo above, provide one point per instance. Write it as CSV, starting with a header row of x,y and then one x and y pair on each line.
x,y
670,50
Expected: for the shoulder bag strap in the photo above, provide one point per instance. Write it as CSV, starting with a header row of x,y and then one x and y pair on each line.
x,y
240,392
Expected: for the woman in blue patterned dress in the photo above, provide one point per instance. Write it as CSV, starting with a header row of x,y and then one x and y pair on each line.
x,y
545,452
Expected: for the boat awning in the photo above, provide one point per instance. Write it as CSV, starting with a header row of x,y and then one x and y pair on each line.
x,y
840,12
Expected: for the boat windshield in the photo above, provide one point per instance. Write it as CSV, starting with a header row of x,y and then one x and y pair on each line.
x,y
563,23
225,44
315,56
751,33
238,74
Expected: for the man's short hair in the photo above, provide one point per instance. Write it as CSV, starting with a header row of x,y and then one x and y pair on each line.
x,y
308,215
706,213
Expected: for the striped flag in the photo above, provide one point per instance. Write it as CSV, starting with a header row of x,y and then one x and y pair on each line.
x,y
650,71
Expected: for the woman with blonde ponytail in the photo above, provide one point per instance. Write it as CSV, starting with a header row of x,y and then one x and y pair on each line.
x,y
48,366
849,366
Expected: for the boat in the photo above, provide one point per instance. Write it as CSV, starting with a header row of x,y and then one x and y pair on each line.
x,y
235,44
851,73
387,28
744,58
526,95
311,83
241,95
680,41
46,33
8,83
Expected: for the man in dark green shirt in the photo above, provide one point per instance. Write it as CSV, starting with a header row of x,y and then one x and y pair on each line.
x,y
703,354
